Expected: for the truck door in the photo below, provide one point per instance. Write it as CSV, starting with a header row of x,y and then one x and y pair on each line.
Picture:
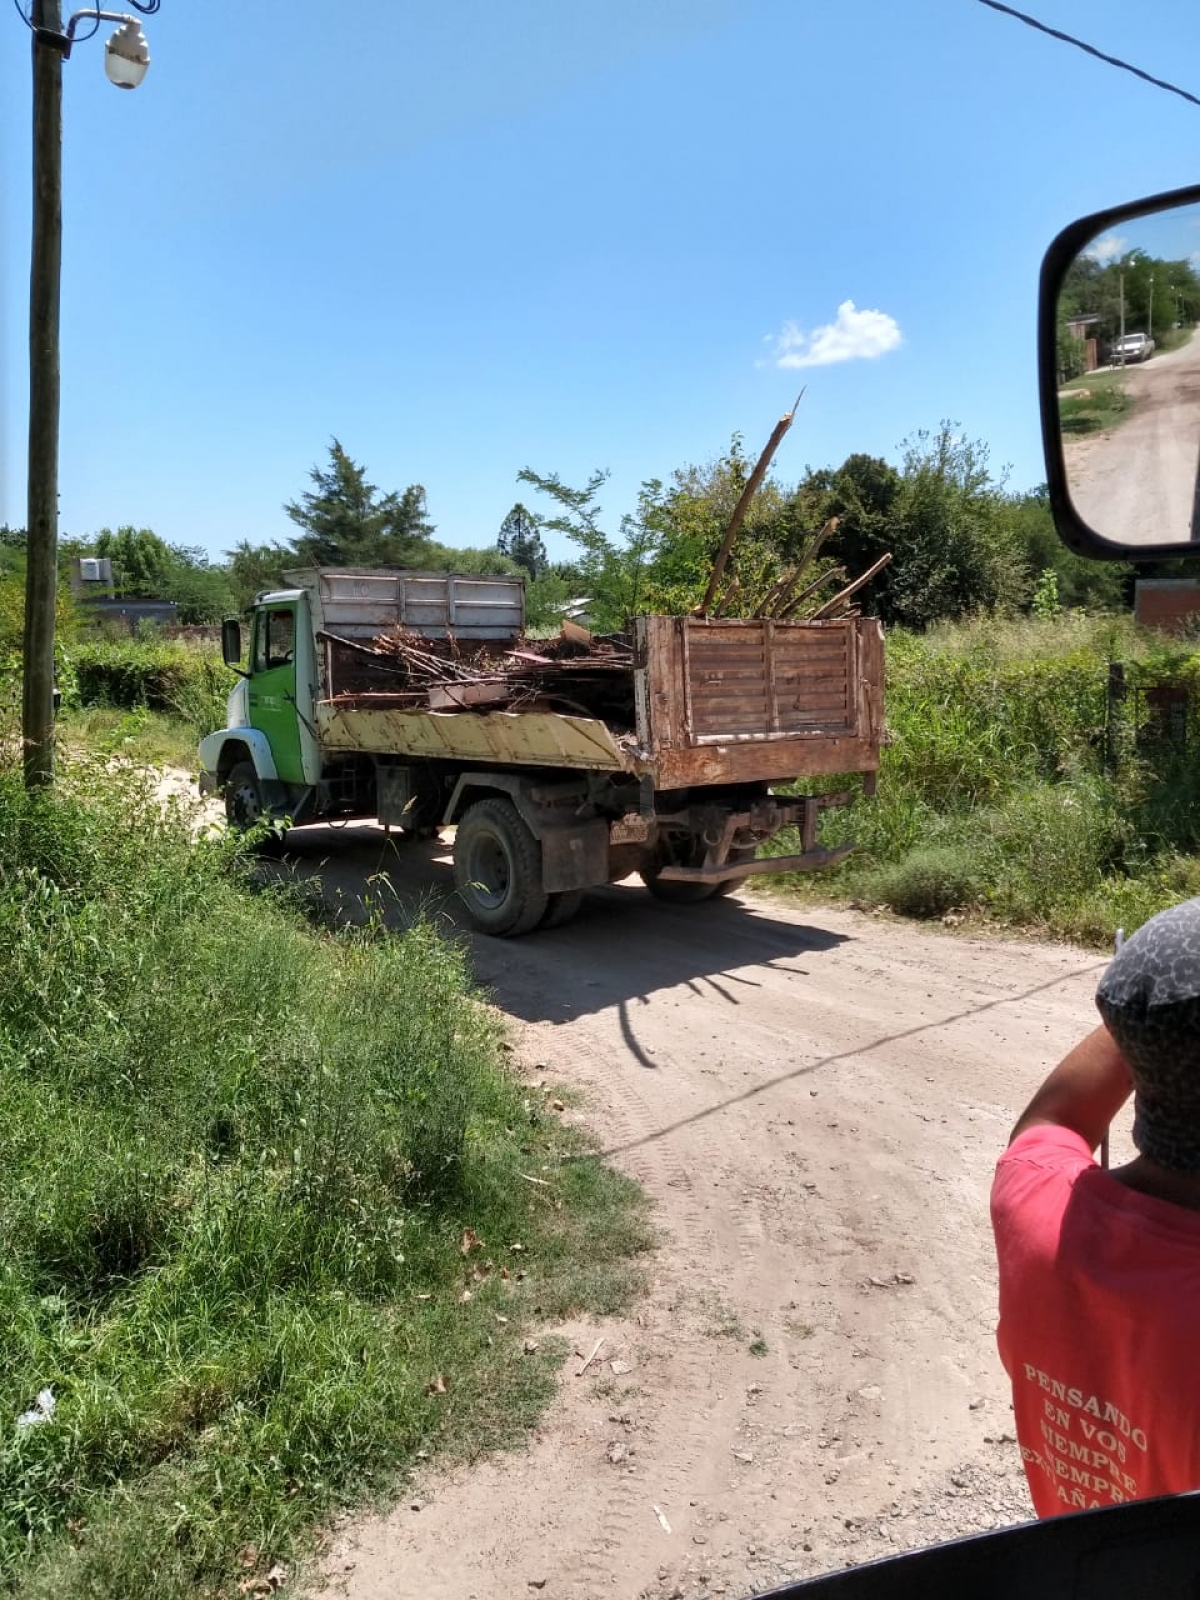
x,y
272,687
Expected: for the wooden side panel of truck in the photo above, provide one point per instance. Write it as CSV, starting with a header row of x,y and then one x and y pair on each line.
x,y
716,704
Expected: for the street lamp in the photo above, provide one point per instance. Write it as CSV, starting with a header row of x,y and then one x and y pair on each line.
x,y
126,58
126,55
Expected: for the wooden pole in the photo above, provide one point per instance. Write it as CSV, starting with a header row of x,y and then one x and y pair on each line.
x,y
806,560
851,588
829,576
727,599
41,526
743,505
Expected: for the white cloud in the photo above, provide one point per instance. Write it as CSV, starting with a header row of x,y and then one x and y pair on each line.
x,y
1110,248
854,335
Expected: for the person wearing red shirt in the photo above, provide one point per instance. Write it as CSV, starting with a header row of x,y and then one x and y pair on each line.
x,y
1100,1271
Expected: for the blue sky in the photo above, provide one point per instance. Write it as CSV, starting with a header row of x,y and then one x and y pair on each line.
x,y
568,234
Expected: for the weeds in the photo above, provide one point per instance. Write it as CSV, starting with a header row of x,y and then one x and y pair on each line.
x,y
187,684
997,797
1090,404
263,1228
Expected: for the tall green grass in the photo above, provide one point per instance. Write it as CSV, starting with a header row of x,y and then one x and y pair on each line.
x,y
239,1159
188,684
996,794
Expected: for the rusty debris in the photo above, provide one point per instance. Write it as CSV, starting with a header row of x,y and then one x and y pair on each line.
x,y
576,674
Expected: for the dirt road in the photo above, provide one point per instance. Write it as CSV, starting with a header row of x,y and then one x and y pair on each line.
x,y
1137,483
814,1100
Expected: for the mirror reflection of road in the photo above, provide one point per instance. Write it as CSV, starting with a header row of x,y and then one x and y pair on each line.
x,y
1136,483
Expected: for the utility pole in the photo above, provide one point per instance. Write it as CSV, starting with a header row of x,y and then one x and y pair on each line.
x,y
1150,313
41,525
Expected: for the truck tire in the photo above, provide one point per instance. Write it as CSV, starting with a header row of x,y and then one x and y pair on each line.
x,y
498,870
243,797
560,908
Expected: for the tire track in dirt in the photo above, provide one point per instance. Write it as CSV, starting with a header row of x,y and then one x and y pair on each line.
x,y
814,1101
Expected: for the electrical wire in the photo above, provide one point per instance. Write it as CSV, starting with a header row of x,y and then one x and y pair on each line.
x,y
146,7
1112,61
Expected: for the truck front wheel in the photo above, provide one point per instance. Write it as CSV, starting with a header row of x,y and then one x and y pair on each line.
x,y
498,869
243,797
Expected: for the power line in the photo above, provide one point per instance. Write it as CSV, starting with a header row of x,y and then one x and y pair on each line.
x,y
1113,61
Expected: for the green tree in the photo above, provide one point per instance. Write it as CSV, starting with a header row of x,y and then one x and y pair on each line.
x,y
203,593
346,521
434,557
613,571
1096,586
692,515
252,568
862,494
141,561
954,548
550,595
520,539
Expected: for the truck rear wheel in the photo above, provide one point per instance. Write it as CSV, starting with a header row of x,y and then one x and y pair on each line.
x,y
498,870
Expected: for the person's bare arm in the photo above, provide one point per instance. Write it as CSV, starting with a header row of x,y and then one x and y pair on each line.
x,y
1084,1092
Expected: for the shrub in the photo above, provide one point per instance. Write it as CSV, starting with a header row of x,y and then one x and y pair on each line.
x,y
994,788
187,683
928,882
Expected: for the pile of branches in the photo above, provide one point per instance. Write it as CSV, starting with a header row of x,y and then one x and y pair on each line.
x,y
577,674
787,601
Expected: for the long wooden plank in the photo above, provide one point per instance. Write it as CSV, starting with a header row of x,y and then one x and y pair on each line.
x,y
767,760
786,672
731,702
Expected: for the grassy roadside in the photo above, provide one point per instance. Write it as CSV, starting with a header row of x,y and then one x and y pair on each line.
x,y
1092,403
1174,339
268,1228
148,737
996,802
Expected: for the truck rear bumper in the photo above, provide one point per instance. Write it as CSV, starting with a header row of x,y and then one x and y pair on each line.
x,y
764,821
808,861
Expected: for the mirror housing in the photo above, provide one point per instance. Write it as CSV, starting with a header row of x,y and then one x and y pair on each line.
x,y
1113,491
231,642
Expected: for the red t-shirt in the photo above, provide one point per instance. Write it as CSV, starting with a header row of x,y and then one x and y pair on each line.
x,y
1099,1327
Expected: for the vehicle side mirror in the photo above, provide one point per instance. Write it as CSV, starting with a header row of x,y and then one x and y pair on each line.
x,y
1119,379
231,642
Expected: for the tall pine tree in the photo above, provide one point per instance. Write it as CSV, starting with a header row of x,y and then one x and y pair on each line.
x,y
521,540
347,522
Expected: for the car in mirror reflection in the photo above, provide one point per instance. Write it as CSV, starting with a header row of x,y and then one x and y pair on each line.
x,y
1133,347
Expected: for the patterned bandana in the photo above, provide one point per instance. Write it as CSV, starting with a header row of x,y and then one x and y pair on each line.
x,y
1149,999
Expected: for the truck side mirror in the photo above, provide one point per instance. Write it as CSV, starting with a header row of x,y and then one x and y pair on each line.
x,y
231,642
1119,380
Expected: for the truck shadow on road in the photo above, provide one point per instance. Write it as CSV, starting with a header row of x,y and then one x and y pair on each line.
x,y
623,945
